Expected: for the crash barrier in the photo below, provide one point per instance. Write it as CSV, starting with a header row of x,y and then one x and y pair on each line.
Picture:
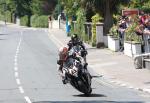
x,y
142,61
146,40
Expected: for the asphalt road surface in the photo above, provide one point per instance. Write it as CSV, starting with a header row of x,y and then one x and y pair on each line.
x,y
28,73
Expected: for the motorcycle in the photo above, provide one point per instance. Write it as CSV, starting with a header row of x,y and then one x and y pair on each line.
x,y
80,51
77,74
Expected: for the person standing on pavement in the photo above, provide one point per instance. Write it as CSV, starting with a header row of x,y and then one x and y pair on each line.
x,y
121,31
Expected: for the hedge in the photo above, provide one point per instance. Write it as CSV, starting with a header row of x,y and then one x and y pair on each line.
x,y
24,21
6,16
1,17
39,21
33,20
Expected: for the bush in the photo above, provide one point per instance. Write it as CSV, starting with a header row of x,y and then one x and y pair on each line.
x,y
8,16
95,19
113,31
130,31
81,19
24,21
39,21
33,20
1,17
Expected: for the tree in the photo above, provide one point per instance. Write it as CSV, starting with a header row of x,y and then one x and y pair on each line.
x,y
105,8
43,7
70,7
140,4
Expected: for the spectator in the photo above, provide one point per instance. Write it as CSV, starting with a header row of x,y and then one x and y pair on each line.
x,y
142,17
121,31
146,36
128,21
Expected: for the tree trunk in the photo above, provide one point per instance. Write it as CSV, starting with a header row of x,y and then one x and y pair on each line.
x,y
108,21
29,21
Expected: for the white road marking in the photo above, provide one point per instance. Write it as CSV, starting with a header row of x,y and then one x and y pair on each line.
x,y
136,88
123,85
27,99
104,83
21,89
57,44
131,87
94,60
113,81
15,64
146,90
103,64
16,55
16,74
16,68
18,81
17,48
55,40
15,60
18,45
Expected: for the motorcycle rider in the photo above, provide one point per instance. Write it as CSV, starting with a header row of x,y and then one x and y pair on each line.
x,y
75,41
65,56
64,60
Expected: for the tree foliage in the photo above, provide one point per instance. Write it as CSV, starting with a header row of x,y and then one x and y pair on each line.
x,y
70,6
29,7
43,7
95,20
105,8
80,23
140,4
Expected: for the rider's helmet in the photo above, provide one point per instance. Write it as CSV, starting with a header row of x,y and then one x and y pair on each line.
x,y
74,38
63,53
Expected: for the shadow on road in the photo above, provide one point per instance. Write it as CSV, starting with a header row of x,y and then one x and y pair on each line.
x,y
88,102
92,95
2,39
97,76
3,34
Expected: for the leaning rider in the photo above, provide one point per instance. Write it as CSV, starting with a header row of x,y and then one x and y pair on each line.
x,y
65,59
75,41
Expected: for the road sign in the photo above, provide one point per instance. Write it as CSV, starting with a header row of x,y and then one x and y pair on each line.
x,y
130,12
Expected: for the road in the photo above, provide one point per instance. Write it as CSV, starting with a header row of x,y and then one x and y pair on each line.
x,y
28,73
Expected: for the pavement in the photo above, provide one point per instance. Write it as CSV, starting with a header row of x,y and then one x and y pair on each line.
x,y
113,66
